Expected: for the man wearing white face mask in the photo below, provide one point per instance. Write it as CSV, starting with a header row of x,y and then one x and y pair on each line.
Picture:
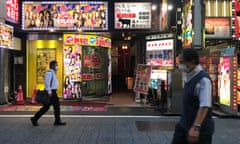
x,y
196,124
51,85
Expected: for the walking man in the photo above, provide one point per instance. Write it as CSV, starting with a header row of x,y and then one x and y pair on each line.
x,y
196,124
51,85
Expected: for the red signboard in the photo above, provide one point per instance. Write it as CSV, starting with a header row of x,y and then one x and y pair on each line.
x,y
237,19
12,10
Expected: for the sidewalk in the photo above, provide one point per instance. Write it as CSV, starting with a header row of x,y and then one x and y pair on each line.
x,y
85,129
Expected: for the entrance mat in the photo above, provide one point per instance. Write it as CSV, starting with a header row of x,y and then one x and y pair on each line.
x,y
64,108
155,125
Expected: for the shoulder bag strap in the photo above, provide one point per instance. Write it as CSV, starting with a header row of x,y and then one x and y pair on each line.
x,y
51,81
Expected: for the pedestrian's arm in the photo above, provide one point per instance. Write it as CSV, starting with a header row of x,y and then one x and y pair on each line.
x,y
205,99
193,134
201,114
47,82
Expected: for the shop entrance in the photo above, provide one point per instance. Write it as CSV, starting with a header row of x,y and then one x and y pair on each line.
x,y
94,72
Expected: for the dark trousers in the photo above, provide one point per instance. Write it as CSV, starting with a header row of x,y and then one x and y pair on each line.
x,y
180,137
54,100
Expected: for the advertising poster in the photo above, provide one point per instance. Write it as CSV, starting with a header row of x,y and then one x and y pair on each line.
x,y
217,27
72,72
65,15
12,10
129,15
187,24
224,80
44,57
142,80
6,36
237,18
160,53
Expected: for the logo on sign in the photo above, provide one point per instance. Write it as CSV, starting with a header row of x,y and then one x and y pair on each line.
x,y
92,40
66,20
69,39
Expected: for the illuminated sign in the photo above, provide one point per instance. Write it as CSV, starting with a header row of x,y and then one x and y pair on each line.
x,y
224,81
217,27
91,40
12,10
65,15
129,15
160,53
6,36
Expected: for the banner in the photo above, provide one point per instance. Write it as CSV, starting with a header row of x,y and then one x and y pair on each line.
x,y
90,40
187,27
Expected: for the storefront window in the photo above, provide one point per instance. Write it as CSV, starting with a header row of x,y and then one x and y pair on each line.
x,y
94,71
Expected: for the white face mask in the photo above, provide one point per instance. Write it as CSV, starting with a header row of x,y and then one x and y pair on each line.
x,y
183,68
56,68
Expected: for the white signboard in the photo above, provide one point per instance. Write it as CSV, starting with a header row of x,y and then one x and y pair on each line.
x,y
129,15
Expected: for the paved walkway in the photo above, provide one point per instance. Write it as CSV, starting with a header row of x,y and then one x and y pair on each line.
x,y
108,129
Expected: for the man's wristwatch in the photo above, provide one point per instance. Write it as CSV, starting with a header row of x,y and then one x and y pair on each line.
x,y
196,127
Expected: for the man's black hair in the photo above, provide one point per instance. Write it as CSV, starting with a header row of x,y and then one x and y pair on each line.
x,y
52,64
190,54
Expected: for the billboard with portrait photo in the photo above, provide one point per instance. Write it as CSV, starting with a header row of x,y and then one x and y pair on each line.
x,y
67,15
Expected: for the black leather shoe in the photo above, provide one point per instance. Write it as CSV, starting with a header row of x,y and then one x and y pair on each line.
x,y
34,121
59,123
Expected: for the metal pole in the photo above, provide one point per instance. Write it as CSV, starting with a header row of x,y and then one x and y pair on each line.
x,y
2,100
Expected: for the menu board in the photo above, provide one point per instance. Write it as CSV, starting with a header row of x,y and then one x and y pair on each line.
x,y
142,78
129,15
12,10
217,27
160,53
65,15
44,57
6,36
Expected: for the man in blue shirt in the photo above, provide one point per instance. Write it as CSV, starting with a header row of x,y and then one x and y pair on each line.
x,y
51,85
196,124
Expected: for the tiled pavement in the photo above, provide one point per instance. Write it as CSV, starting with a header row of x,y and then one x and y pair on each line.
x,y
114,129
